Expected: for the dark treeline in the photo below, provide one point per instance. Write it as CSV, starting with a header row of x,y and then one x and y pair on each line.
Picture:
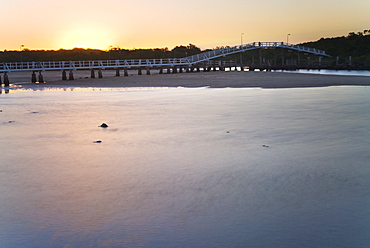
x,y
94,54
353,48
354,45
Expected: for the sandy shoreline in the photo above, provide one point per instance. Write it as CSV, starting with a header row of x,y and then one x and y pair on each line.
x,y
219,79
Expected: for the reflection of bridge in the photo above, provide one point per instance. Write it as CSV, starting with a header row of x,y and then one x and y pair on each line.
x,y
189,63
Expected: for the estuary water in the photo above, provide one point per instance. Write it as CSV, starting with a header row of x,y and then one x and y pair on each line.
x,y
183,167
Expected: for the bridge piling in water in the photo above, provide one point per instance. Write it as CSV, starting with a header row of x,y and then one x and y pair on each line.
x,y
6,79
33,77
41,78
64,75
117,72
71,77
100,74
125,72
147,71
92,74
139,72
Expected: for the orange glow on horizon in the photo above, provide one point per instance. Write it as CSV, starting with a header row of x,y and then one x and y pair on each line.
x,y
50,25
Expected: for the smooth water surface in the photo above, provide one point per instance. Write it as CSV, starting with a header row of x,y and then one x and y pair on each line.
x,y
186,168
331,72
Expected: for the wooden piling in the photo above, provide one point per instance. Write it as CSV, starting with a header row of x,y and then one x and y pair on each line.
x,y
71,77
64,76
92,75
33,77
125,72
41,78
6,80
117,72
100,74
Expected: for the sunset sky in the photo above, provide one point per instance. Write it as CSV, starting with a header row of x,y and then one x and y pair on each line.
x,y
50,24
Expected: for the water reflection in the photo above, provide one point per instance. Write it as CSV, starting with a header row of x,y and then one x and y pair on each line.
x,y
329,72
186,169
5,90
21,88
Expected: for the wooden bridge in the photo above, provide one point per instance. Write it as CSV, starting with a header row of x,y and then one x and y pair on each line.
x,y
187,62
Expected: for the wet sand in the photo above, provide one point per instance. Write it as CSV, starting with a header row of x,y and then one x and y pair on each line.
x,y
219,79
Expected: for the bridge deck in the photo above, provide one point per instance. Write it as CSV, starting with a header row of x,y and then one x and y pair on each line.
x,y
151,63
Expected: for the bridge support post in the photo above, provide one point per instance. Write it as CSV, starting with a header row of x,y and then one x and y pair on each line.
x,y
100,74
0,82
168,70
33,77
139,72
6,79
125,72
174,69
71,75
92,73
117,72
161,70
41,78
64,75
147,71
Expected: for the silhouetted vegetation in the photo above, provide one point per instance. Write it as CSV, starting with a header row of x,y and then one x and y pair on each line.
x,y
352,49
356,45
94,54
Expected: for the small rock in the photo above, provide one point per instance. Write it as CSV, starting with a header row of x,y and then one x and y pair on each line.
x,y
97,141
265,146
103,125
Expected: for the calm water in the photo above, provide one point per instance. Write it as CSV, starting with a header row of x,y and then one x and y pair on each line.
x,y
186,168
332,72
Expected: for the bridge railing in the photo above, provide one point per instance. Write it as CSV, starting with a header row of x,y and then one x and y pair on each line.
x,y
92,64
136,63
250,46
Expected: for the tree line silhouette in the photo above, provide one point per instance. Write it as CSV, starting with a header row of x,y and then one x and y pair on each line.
x,y
27,55
354,47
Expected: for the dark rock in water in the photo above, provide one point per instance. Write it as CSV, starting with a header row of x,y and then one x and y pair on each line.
x,y
97,141
265,146
103,125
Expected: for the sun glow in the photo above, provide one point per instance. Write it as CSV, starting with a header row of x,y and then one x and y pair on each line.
x,y
85,37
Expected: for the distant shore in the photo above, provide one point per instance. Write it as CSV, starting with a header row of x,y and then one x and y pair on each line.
x,y
218,79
